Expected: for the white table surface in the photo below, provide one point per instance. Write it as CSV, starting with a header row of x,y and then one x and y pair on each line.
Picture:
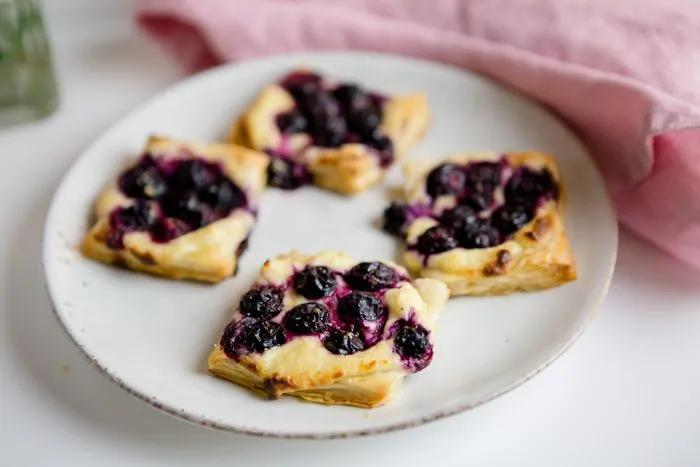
x,y
626,394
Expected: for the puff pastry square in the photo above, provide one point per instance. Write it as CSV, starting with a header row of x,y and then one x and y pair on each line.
x,y
328,329
337,135
183,210
484,223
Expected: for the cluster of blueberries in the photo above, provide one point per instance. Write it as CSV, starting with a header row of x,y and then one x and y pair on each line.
x,y
332,117
173,197
472,222
349,315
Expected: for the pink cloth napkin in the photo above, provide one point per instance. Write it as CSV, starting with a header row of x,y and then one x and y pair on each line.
x,y
625,74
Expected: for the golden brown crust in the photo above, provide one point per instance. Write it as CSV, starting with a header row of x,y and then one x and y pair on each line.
x,y
348,169
304,368
206,254
406,120
357,391
537,257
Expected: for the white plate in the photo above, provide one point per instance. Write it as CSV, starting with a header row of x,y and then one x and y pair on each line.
x,y
152,336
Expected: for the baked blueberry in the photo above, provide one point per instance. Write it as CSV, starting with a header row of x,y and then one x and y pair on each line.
x,y
411,341
318,106
262,302
436,240
508,219
384,147
395,218
143,181
223,195
251,335
231,340
379,141
459,217
479,235
286,174
445,179
185,206
292,122
307,318
343,342
301,83
315,282
371,277
128,218
139,216
479,200
357,307
166,229
192,174
364,120
527,186
351,96
330,132
483,176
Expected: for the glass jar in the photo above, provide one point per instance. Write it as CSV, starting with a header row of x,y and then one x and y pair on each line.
x,y
27,85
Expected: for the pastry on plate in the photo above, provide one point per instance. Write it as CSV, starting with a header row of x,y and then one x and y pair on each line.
x,y
183,210
336,135
328,329
484,223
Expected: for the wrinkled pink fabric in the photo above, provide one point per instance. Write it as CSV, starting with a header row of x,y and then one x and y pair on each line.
x,y
625,74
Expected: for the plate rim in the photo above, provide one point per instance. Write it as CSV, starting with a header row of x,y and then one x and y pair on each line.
x,y
180,413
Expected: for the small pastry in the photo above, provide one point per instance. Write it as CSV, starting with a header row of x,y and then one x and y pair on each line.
x,y
328,329
484,223
182,210
337,135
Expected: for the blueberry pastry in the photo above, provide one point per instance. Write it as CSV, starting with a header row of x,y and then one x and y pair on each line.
x,y
182,210
336,135
328,329
484,223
